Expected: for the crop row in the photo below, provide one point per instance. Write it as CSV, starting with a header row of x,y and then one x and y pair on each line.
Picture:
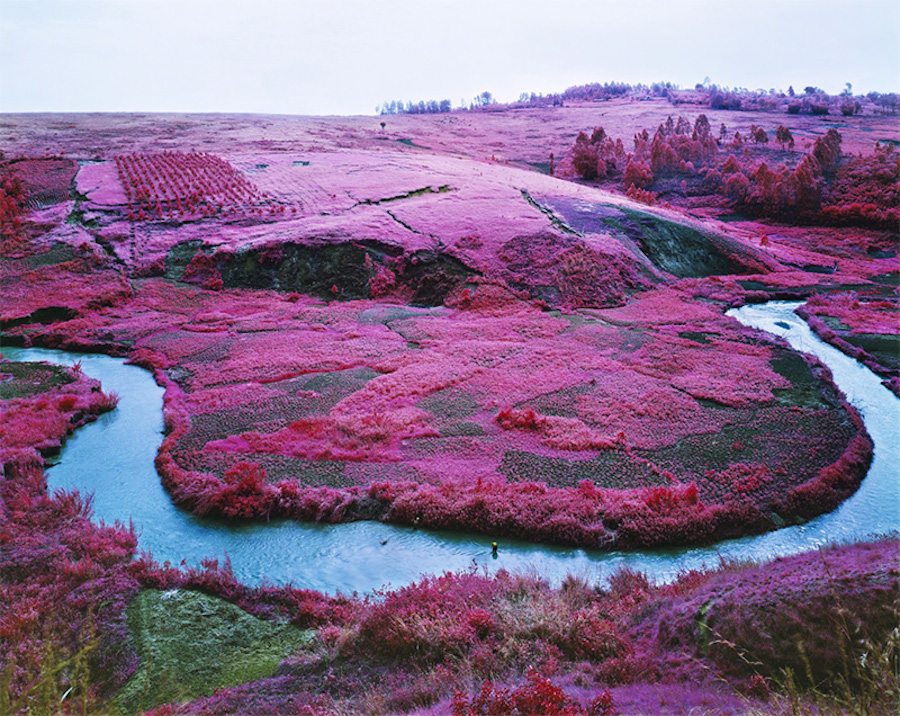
x,y
188,184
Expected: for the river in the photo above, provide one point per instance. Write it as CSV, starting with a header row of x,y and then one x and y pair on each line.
x,y
112,458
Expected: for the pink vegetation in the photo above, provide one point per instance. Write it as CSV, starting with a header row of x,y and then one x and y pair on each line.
x,y
858,314
403,408
545,383
52,402
178,185
527,648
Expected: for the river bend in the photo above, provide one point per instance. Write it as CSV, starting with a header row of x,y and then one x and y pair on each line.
x,y
112,458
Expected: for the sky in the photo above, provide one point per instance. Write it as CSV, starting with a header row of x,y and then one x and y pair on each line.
x,y
345,57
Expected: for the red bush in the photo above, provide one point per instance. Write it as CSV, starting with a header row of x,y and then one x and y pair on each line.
x,y
537,696
637,174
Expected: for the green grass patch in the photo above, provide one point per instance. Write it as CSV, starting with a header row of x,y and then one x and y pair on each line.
x,y
191,644
29,379
611,469
58,254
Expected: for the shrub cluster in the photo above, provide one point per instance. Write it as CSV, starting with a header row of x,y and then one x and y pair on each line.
x,y
537,696
822,186
11,203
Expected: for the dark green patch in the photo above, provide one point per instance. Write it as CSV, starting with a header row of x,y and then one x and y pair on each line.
x,y
560,403
29,379
450,404
887,279
695,336
793,444
58,254
332,387
882,347
816,268
835,324
364,473
180,255
704,633
542,167
783,293
732,218
410,143
680,250
463,428
76,218
333,271
191,644
314,473
611,469
807,389
46,315
326,270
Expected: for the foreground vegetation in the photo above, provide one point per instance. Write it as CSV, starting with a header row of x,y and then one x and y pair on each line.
x,y
397,322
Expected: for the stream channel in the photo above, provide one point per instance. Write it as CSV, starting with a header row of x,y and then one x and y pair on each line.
x,y
112,459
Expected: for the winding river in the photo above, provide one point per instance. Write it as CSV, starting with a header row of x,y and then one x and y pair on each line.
x,y
112,458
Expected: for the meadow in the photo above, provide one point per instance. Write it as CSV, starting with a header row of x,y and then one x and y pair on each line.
x,y
510,321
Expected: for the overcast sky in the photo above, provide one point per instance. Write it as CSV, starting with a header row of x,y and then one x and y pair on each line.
x,y
347,56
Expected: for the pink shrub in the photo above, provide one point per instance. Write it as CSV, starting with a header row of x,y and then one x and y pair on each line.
x,y
537,696
557,432
818,609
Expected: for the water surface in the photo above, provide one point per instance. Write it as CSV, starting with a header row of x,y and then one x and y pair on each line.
x,y
113,459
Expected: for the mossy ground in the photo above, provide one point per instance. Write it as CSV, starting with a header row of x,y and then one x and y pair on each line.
x,y
29,379
190,644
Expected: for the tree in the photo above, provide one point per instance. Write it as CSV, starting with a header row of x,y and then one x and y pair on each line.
x,y
827,151
637,174
584,157
484,99
784,137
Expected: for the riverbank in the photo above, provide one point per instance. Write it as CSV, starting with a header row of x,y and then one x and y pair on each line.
x,y
364,556
75,631
352,325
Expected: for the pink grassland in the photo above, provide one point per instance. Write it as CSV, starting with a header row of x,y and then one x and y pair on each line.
x,y
451,643
399,323
500,468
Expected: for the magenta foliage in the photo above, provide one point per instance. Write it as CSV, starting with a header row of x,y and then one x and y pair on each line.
x,y
537,696
64,582
822,186
816,611
466,617
175,185
436,618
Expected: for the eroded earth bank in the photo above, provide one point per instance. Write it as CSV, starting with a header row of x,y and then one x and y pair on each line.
x,y
355,321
